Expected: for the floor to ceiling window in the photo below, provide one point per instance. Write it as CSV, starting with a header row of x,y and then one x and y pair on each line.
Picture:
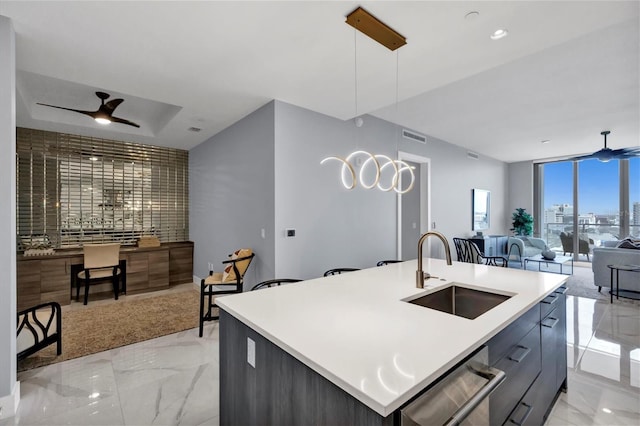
x,y
634,196
599,217
557,203
593,200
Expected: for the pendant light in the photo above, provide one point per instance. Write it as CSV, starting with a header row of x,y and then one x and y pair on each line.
x,y
369,25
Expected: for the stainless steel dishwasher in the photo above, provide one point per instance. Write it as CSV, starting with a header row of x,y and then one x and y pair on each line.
x,y
460,398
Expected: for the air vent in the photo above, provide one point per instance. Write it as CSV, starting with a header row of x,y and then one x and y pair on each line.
x,y
194,129
414,136
473,155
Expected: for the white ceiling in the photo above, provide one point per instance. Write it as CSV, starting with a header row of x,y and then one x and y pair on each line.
x,y
567,70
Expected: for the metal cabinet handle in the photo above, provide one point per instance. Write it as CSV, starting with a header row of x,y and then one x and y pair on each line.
x,y
553,300
524,417
561,290
496,377
550,322
522,355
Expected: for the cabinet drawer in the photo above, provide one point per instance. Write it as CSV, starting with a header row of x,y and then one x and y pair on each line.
x,y
502,342
530,410
521,365
560,290
548,304
137,263
181,265
159,269
61,296
28,284
54,277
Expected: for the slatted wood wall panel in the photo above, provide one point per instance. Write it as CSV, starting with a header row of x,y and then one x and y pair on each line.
x,y
78,189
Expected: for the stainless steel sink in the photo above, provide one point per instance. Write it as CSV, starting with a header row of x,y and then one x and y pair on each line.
x,y
460,301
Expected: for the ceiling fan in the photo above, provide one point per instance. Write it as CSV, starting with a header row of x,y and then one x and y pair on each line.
x,y
104,114
606,154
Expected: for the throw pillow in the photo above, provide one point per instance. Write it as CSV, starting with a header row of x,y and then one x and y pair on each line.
x,y
229,273
629,244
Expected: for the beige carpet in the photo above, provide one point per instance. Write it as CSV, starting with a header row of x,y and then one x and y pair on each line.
x,y
580,283
108,326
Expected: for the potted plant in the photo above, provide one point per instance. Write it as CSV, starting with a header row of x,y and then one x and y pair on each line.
x,y
522,222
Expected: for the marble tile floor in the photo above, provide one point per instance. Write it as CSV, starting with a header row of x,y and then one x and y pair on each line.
x,y
173,380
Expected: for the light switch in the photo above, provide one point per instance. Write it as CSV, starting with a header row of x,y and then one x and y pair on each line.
x,y
290,232
263,234
251,352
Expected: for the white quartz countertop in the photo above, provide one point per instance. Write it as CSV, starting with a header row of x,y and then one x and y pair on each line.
x,y
356,331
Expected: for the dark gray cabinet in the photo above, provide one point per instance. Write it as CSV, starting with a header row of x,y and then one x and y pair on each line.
x,y
561,340
282,390
491,245
521,363
535,405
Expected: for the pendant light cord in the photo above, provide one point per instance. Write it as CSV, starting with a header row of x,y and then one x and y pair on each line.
x,y
355,68
355,83
396,112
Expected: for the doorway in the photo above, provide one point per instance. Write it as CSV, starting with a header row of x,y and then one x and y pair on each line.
x,y
414,207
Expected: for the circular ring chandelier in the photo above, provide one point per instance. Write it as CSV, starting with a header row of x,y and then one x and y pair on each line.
x,y
380,163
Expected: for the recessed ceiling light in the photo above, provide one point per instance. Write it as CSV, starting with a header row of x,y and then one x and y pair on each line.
x,y
93,158
499,33
471,15
546,141
606,410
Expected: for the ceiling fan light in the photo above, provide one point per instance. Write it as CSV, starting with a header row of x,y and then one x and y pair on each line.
x,y
604,155
102,120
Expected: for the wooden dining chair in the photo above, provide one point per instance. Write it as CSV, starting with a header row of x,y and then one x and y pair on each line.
x,y
101,261
39,327
338,271
468,251
274,283
220,283
387,262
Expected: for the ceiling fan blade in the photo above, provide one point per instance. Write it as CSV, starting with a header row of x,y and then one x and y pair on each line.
x,y
626,152
110,106
123,121
89,113
582,157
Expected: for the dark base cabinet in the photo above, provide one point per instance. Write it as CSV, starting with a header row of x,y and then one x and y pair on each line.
x,y
280,390
535,405
52,278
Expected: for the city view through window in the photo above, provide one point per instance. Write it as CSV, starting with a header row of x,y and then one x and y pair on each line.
x,y
600,217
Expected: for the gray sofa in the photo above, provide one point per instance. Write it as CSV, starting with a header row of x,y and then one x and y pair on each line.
x,y
603,256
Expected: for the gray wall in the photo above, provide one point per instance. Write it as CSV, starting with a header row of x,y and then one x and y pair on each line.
x,y
231,191
453,176
520,188
335,227
8,384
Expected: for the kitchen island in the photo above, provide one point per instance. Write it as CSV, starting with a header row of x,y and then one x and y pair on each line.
x,y
350,349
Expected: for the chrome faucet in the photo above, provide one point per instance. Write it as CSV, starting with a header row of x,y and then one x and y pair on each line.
x,y
421,276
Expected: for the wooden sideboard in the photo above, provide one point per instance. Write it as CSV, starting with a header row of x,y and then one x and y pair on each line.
x,y
48,278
